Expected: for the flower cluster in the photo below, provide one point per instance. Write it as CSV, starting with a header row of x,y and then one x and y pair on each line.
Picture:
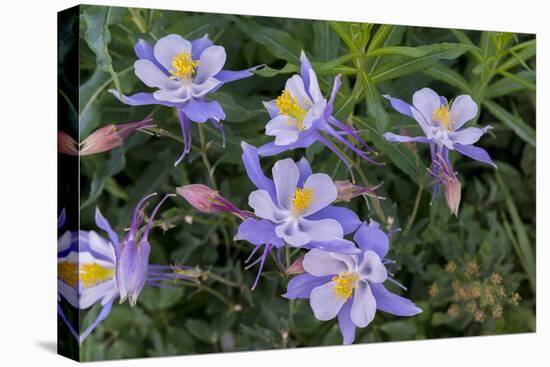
x,y
342,268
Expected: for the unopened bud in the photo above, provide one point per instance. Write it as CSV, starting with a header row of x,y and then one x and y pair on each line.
x,y
208,200
66,144
297,267
111,136
347,190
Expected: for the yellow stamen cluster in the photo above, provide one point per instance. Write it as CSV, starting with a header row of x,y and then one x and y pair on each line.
x,y
92,274
302,199
68,272
183,66
89,274
344,283
442,116
288,105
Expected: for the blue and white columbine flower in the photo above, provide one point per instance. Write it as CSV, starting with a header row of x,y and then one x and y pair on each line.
x,y
442,123
94,270
301,116
294,208
350,286
183,73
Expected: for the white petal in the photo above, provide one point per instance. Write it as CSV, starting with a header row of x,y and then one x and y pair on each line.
x,y
200,90
168,47
290,232
322,229
320,263
372,269
260,201
324,302
285,175
64,242
149,74
314,89
180,95
295,85
89,296
363,308
426,101
211,63
315,112
324,192
462,110
101,246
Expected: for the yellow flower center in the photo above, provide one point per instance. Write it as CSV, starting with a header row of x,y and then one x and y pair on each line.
x,y
89,274
301,200
442,116
344,283
288,105
92,274
184,66
68,272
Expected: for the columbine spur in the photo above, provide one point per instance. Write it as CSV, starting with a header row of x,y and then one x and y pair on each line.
x,y
350,287
92,269
301,116
183,73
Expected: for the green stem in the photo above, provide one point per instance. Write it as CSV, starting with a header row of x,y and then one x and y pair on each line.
x,y
204,156
415,209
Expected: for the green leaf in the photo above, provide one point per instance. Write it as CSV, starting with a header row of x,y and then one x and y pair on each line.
x,y
401,329
374,104
520,240
530,50
98,37
385,36
445,74
404,66
506,86
463,38
279,43
268,72
201,331
235,112
325,42
515,123
108,168
525,83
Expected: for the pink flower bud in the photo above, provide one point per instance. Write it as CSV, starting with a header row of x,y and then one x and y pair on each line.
x,y
446,176
347,191
452,194
111,136
208,200
297,267
66,144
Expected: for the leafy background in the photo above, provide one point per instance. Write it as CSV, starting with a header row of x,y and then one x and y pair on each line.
x,y
448,264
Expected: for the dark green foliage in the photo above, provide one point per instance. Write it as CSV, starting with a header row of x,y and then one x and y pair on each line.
x,y
495,228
